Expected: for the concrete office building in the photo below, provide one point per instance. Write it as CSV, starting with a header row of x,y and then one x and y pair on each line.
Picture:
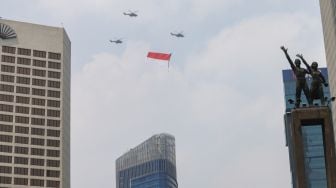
x,y
34,105
328,15
150,164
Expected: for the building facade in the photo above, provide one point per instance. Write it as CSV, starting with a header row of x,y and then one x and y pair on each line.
x,y
309,136
328,15
150,164
34,105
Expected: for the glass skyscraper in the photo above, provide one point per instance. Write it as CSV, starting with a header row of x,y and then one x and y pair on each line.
x,y
306,137
151,164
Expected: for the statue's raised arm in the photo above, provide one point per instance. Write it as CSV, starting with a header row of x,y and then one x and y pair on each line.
x,y
305,63
288,58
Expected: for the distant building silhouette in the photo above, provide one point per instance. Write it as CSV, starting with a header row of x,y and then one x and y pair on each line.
x,y
150,164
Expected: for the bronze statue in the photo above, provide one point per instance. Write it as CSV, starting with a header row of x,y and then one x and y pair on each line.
x,y
316,88
301,83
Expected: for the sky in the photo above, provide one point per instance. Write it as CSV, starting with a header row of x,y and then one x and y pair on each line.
x,y
222,97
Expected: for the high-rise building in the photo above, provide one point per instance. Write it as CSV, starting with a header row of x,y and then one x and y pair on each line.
x,y
328,15
34,105
150,164
309,138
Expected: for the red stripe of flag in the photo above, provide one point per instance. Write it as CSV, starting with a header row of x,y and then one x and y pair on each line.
x,y
160,56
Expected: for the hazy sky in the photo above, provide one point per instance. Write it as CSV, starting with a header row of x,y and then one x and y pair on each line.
x,y
222,98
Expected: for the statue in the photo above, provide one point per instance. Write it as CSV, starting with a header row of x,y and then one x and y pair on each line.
x,y
316,88
301,83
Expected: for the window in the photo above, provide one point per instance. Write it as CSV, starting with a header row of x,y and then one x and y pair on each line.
x,y
7,78
37,141
5,180
6,108
54,65
22,130
21,139
6,128
52,74
6,138
37,121
8,49
5,159
52,55
22,80
39,82
22,100
53,153
5,148
6,118
21,150
39,63
53,123
6,169
39,92
51,183
53,103
20,160
37,162
40,73
55,94
36,172
54,84
36,151
22,70
35,182
53,133
21,171
7,98
38,111
23,61
38,53
53,163
23,51
8,88
39,102
53,143
7,59
53,113
23,90
20,181
37,131
53,173
7,68
21,119
22,109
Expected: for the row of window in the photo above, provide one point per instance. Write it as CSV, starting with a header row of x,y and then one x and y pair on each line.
x,y
24,140
36,162
24,181
25,130
25,110
25,120
26,71
26,61
33,172
26,90
27,52
26,80
33,151
26,100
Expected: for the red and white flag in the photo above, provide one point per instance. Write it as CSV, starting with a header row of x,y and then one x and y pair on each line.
x,y
159,56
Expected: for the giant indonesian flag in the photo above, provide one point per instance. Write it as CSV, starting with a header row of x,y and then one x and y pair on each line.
x,y
159,56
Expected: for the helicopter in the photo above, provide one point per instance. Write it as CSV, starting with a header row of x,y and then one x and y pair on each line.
x,y
180,34
119,41
131,13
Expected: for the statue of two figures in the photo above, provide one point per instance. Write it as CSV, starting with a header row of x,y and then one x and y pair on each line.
x,y
318,80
